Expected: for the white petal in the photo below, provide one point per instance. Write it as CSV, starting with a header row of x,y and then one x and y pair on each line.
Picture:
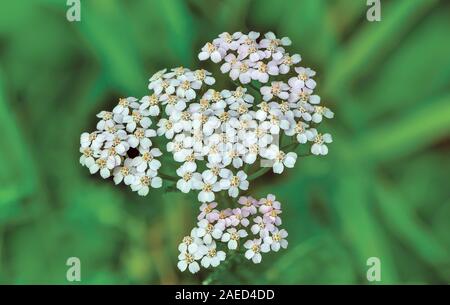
x,y
182,265
203,55
249,254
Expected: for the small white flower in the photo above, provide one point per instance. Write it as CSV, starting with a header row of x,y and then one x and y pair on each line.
x,y
117,142
156,77
207,184
190,243
141,136
87,157
239,217
136,117
254,250
277,240
143,181
188,261
232,154
125,173
207,231
147,159
211,51
186,172
232,237
187,84
260,72
321,111
104,165
243,71
231,62
278,89
273,44
233,183
300,131
175,73
106,121
249,47
150,103
212,256
287,62
180,147
162,86
261,227
238,96
124,105
279,158
228,41
249,205
208,212
204,76
303,79
168,128
173,103
86,138
320,140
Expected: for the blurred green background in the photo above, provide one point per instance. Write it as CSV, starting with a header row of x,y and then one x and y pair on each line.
x,y
382,191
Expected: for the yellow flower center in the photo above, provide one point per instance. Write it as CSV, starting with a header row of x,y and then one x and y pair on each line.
x,y
189,258
287,60
224,116
239,92
204,104
318,139
179,71
107,116
101,163
243,68
139,133
210,47
153,99
262,67
187,240
147,156
276,237
280,156
168,125
136,116
234,236
125,171
87,152
200,74
186,85
124,102
207,187
303,76
264,107
187,176
234,181
145,180
256,248
212,252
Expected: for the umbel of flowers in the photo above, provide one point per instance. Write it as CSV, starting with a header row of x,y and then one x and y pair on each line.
x,y
253,227
220,139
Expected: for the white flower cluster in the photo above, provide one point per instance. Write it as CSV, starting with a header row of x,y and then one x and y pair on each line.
x,y
217,137
290,106
226,130
106,149
228,228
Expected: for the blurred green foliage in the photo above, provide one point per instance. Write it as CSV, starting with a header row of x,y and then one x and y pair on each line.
x,y
382,191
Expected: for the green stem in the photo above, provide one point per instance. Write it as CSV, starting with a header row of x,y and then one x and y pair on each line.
x,y
167,177
254,87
